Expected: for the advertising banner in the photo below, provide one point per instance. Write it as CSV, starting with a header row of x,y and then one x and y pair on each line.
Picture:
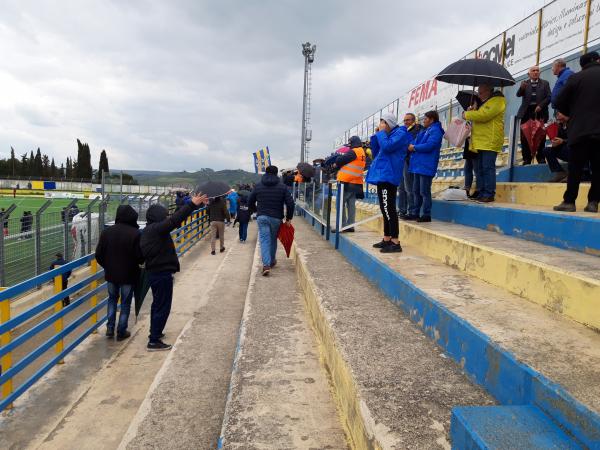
x,y
563,24
521,45
492,50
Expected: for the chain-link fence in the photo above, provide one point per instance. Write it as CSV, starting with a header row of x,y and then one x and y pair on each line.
x,y
34,235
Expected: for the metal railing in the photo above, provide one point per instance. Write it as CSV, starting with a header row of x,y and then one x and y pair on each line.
x,y
71,322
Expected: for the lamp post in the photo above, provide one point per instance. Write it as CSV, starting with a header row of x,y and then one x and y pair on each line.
x,y
308,51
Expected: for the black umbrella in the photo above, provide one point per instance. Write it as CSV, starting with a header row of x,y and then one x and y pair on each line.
x,y
213,188
474,72
306,170
467,98
140,289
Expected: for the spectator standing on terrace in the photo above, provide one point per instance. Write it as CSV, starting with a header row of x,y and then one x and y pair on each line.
x,y
243,218
233,199
535,97
389,147
158,250
579,100
487,138
60,261
268,199
558,150
425,155
351,168
119,253
217,214
405,197
562,73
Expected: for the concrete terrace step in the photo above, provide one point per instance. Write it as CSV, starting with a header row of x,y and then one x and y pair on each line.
x,y
279,396
520,352
578,231
394,387
531,194
507,427
561,280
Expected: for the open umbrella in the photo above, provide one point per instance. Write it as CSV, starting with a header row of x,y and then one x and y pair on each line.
x,y
140,289
213,188
474,72
306,170
286,236
535,133
467,98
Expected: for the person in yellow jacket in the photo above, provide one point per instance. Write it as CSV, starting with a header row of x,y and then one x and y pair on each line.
x,y
351,168
487,139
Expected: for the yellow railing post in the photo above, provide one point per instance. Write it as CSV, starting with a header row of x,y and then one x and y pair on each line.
x,y
539,36
586,31
6,360
58,325
94,299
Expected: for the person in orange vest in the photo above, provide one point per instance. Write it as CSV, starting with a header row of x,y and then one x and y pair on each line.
x,y
298,178
351,168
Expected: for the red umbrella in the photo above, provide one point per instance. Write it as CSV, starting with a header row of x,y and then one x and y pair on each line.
x,y
286,236
552,130
534,132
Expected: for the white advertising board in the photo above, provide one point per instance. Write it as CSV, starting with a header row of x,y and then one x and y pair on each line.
x,y
492,50
521,45
563,24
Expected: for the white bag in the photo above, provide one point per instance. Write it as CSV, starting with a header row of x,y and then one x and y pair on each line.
x,y
458,131
453,195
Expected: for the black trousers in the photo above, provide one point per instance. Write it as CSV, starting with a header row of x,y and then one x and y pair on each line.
x,y
387,203
525,150
161,284
584,151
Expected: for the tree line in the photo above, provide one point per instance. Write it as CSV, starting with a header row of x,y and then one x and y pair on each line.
x,y
39,165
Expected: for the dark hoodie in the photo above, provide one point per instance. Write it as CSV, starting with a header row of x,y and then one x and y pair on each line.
x,y
157,246
269,196
118,250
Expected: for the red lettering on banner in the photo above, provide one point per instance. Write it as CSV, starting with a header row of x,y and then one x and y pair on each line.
x,y
423,92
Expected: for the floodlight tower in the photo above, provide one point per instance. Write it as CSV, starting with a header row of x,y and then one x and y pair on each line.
x,y
308,51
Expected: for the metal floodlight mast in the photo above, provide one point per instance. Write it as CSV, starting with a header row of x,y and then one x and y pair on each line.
x,y
308,51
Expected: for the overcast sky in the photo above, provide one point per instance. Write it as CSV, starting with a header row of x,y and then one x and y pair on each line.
x,y
174,85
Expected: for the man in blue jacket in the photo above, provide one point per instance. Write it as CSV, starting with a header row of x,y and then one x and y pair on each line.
x,y
563,73
425,155
389,147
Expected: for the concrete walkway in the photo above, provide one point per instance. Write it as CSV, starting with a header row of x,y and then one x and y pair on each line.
x,y
184,406
280,397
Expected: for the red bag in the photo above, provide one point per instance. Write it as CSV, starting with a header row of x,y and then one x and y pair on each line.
x,y
533,130
286,236
552,130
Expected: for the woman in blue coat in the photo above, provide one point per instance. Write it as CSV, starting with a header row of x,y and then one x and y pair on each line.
x,y
425,155
389,146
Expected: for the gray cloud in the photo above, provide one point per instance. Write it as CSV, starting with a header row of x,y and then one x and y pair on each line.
x,y
190,84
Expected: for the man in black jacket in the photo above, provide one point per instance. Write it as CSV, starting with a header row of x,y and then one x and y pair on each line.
x,y
535,96
161,259
60,261
267,199
580,101
118,252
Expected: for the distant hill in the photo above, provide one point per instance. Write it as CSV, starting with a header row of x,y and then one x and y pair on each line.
x,y
230,177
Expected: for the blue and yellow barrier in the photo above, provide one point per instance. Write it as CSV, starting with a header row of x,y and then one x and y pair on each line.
x,y
52,312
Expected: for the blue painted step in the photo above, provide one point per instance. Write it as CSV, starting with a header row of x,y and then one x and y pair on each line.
x,y
557,230
506,427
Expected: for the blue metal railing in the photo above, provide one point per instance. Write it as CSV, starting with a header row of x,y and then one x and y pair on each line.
x,y
192,231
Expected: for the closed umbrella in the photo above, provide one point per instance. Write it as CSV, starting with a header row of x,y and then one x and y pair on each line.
x,y
286,236
306,170
140,289
535,133
213,188
475,72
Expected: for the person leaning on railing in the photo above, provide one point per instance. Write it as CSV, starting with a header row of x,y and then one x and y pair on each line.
x,y
162,262
351,167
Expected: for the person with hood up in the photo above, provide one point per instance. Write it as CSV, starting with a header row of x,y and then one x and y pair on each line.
x,y
243,218
389,147
233,199
351,167
162,262
487,138
118,252
425,155
61,261
268,199
218,215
